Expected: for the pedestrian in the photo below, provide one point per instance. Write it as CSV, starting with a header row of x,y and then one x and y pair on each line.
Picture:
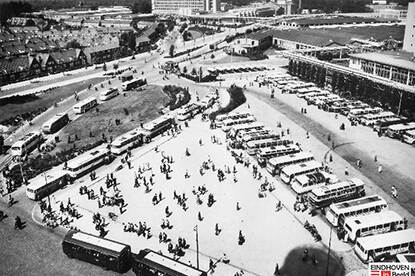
x,y
346,171
277,270
394,191
380,168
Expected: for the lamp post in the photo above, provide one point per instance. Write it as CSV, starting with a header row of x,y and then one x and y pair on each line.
x,y
197,246
328,253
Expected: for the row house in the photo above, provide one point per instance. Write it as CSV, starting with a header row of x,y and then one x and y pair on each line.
x,y
18,69
102,53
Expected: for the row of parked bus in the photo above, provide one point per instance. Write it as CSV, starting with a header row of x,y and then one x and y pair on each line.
x,y
380,120
118,257
360,216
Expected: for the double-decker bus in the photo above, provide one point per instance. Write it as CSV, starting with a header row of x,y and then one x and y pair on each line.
x,y
235,130
371,119
306,182
55,123
150,263
188,111
289,172
26,144
131,84
324,196
129,140
409,137
337,212
252,147
109,254
87,161
108,94
373,248
46,183
270,152
397,131
158,126
234,116
374,224
85,105
274,165
227,124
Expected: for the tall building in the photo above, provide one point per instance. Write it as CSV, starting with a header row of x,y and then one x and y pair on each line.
x,y
185,6
409,38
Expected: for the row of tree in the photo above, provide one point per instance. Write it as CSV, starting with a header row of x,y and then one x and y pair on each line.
x,y
355,87
11,9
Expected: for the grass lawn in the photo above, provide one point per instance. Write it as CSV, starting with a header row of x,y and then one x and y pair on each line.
x,y
142,106
195,34
228,59
45,100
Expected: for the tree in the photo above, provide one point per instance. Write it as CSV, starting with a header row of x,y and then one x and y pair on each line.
x,y
171,51
193,72
184,70
141,6
281,11
104,67
1,143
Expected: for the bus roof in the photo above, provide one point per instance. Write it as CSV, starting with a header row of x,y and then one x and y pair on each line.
x,y
379,115
405,126
233,114
260,141
97,241
277,148
150,125
172,264
26,137
247,125
49,176
364,221
387,239
290,157
327,189
54,118
87,100
127,135
295,168
86,156
361,202
410,132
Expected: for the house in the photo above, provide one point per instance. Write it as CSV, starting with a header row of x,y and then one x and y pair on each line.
x,y
18,68
102,53
253,42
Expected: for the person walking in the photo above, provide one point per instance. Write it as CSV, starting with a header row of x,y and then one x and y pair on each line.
x,y
277,270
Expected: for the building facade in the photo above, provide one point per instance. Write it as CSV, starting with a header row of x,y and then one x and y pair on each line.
x,y
409,38
179,6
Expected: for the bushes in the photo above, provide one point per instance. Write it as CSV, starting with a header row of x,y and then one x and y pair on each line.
x,y
179,96
237,98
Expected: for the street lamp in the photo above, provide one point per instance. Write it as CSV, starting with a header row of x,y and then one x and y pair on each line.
x,y
197,246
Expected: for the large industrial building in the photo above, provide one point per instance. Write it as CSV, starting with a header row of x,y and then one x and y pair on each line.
x,y
185,7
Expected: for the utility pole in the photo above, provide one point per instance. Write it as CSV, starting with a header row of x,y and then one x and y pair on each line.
x,y
197,246
328,253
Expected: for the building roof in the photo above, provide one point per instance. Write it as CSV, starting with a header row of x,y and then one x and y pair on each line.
x,y
309,38
16,64
334,20
397,59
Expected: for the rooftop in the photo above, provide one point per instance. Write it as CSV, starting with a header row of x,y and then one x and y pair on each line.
x,y
398,59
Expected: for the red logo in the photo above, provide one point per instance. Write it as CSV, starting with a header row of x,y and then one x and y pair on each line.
x,y
380,273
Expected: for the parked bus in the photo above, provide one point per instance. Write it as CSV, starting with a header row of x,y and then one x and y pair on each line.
x,y
254,132
245,127
306,182
397,131
354,113
373,248
374,224
337,212
270,152
158,126
87,161
234,116
55,123
99,251
371,119
46,183
188,111
108,94
382,125
151,263
127,141
26,144
131,84
289,172
252,147
409,137
85,105
227,124
274,165
324,196
259,136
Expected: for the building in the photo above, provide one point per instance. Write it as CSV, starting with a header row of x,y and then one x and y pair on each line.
x,y
409,37
185,7
213,5
334,20
264,10
393,66
252,43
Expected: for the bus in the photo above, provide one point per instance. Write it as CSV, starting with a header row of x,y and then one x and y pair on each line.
x,y
270,152
407,258
374,224
227,124
131,84
188,111
108,94
306,90
289,172
109,254
254,136
158,126
409,137
383,124
252,147
127,141
254,132
374,248
55,123
324,196
274,165
294,87
46,183
85,105
354,113
246,127
150,263
26,144
87,161
396,131
337,212
237,115
371,119
306,182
